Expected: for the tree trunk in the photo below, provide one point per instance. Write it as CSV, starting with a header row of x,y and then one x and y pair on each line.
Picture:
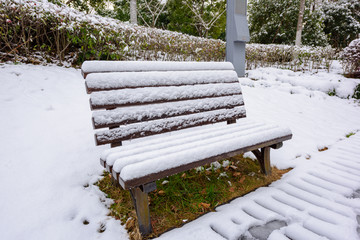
x,y
300,23
133,12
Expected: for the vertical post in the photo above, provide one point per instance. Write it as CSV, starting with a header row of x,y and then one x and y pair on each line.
x,y
266,158
237,33
263,157
141,204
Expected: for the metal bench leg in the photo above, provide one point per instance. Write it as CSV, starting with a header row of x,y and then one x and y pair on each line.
x,y
141,204
263,157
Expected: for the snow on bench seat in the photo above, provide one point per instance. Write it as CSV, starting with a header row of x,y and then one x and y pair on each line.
x,y
110,80
134,164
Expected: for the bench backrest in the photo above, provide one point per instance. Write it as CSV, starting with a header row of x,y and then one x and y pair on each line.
x,y
138,99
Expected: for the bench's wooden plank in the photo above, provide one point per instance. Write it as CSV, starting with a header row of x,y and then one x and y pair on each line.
x,y
166,125
145,66
123,158
168,172
121,116
121,80
180,137
138,96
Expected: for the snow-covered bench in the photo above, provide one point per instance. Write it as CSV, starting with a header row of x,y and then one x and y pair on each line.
x,y
139,99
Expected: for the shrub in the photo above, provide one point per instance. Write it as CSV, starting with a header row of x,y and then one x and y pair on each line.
x,y
342,21
350,59
357,92
290,57
38,31
275,21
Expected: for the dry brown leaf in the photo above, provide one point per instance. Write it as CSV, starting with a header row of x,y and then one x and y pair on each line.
x,y
231,189
236,174
161,192
205,205
242,179
184,175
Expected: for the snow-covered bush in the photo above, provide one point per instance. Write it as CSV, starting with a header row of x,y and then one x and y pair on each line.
x,y
275,21
289,56
350,58
342,21
357,92
39,31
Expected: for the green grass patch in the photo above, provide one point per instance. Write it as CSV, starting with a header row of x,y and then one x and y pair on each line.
x,y
350,134
185,196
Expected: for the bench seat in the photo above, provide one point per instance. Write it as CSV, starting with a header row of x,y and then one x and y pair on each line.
x,y
150,159
163,118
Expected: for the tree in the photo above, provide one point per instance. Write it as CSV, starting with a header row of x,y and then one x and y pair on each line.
x,y
206,12
300,23
275,21
88,6
205,18
151,11
133,12
342,21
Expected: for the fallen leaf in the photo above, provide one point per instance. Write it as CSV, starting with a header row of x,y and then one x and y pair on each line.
x,y
174,209
161,192
236,174
231,189
242,179
205,205
233,167
184,175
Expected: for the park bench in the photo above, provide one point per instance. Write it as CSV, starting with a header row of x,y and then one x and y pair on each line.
x,y
174,101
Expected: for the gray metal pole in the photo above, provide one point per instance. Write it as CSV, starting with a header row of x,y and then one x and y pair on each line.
x,y
237,33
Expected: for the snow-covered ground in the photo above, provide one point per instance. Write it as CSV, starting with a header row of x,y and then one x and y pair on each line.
x,y
48,160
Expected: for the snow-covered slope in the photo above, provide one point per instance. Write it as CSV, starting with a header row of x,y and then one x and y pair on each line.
x,y
49,162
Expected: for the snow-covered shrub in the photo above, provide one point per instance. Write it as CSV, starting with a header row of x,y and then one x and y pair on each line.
x,y
39,31
275,21
357,92
342,21
350,59
289,56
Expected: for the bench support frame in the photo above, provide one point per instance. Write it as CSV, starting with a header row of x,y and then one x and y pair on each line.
x,y
263,156
141,204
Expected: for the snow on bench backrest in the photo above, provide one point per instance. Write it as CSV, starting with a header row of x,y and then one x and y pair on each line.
x,y
137,99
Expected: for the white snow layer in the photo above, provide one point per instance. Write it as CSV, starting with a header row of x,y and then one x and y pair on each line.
x,y
49,163
153,94
134,66
170,109
202,146
115,80
173,123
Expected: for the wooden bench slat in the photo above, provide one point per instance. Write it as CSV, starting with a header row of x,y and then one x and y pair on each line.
x,y
111,155
140,66
131,97
192,153
121,80
162,174
121,116
122,159
168,124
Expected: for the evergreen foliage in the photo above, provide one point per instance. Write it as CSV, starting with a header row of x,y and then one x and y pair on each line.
x,y
274,21
350,57
342,21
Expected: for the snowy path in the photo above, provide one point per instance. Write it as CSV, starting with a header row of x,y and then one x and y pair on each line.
x,y
48,164
322,203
